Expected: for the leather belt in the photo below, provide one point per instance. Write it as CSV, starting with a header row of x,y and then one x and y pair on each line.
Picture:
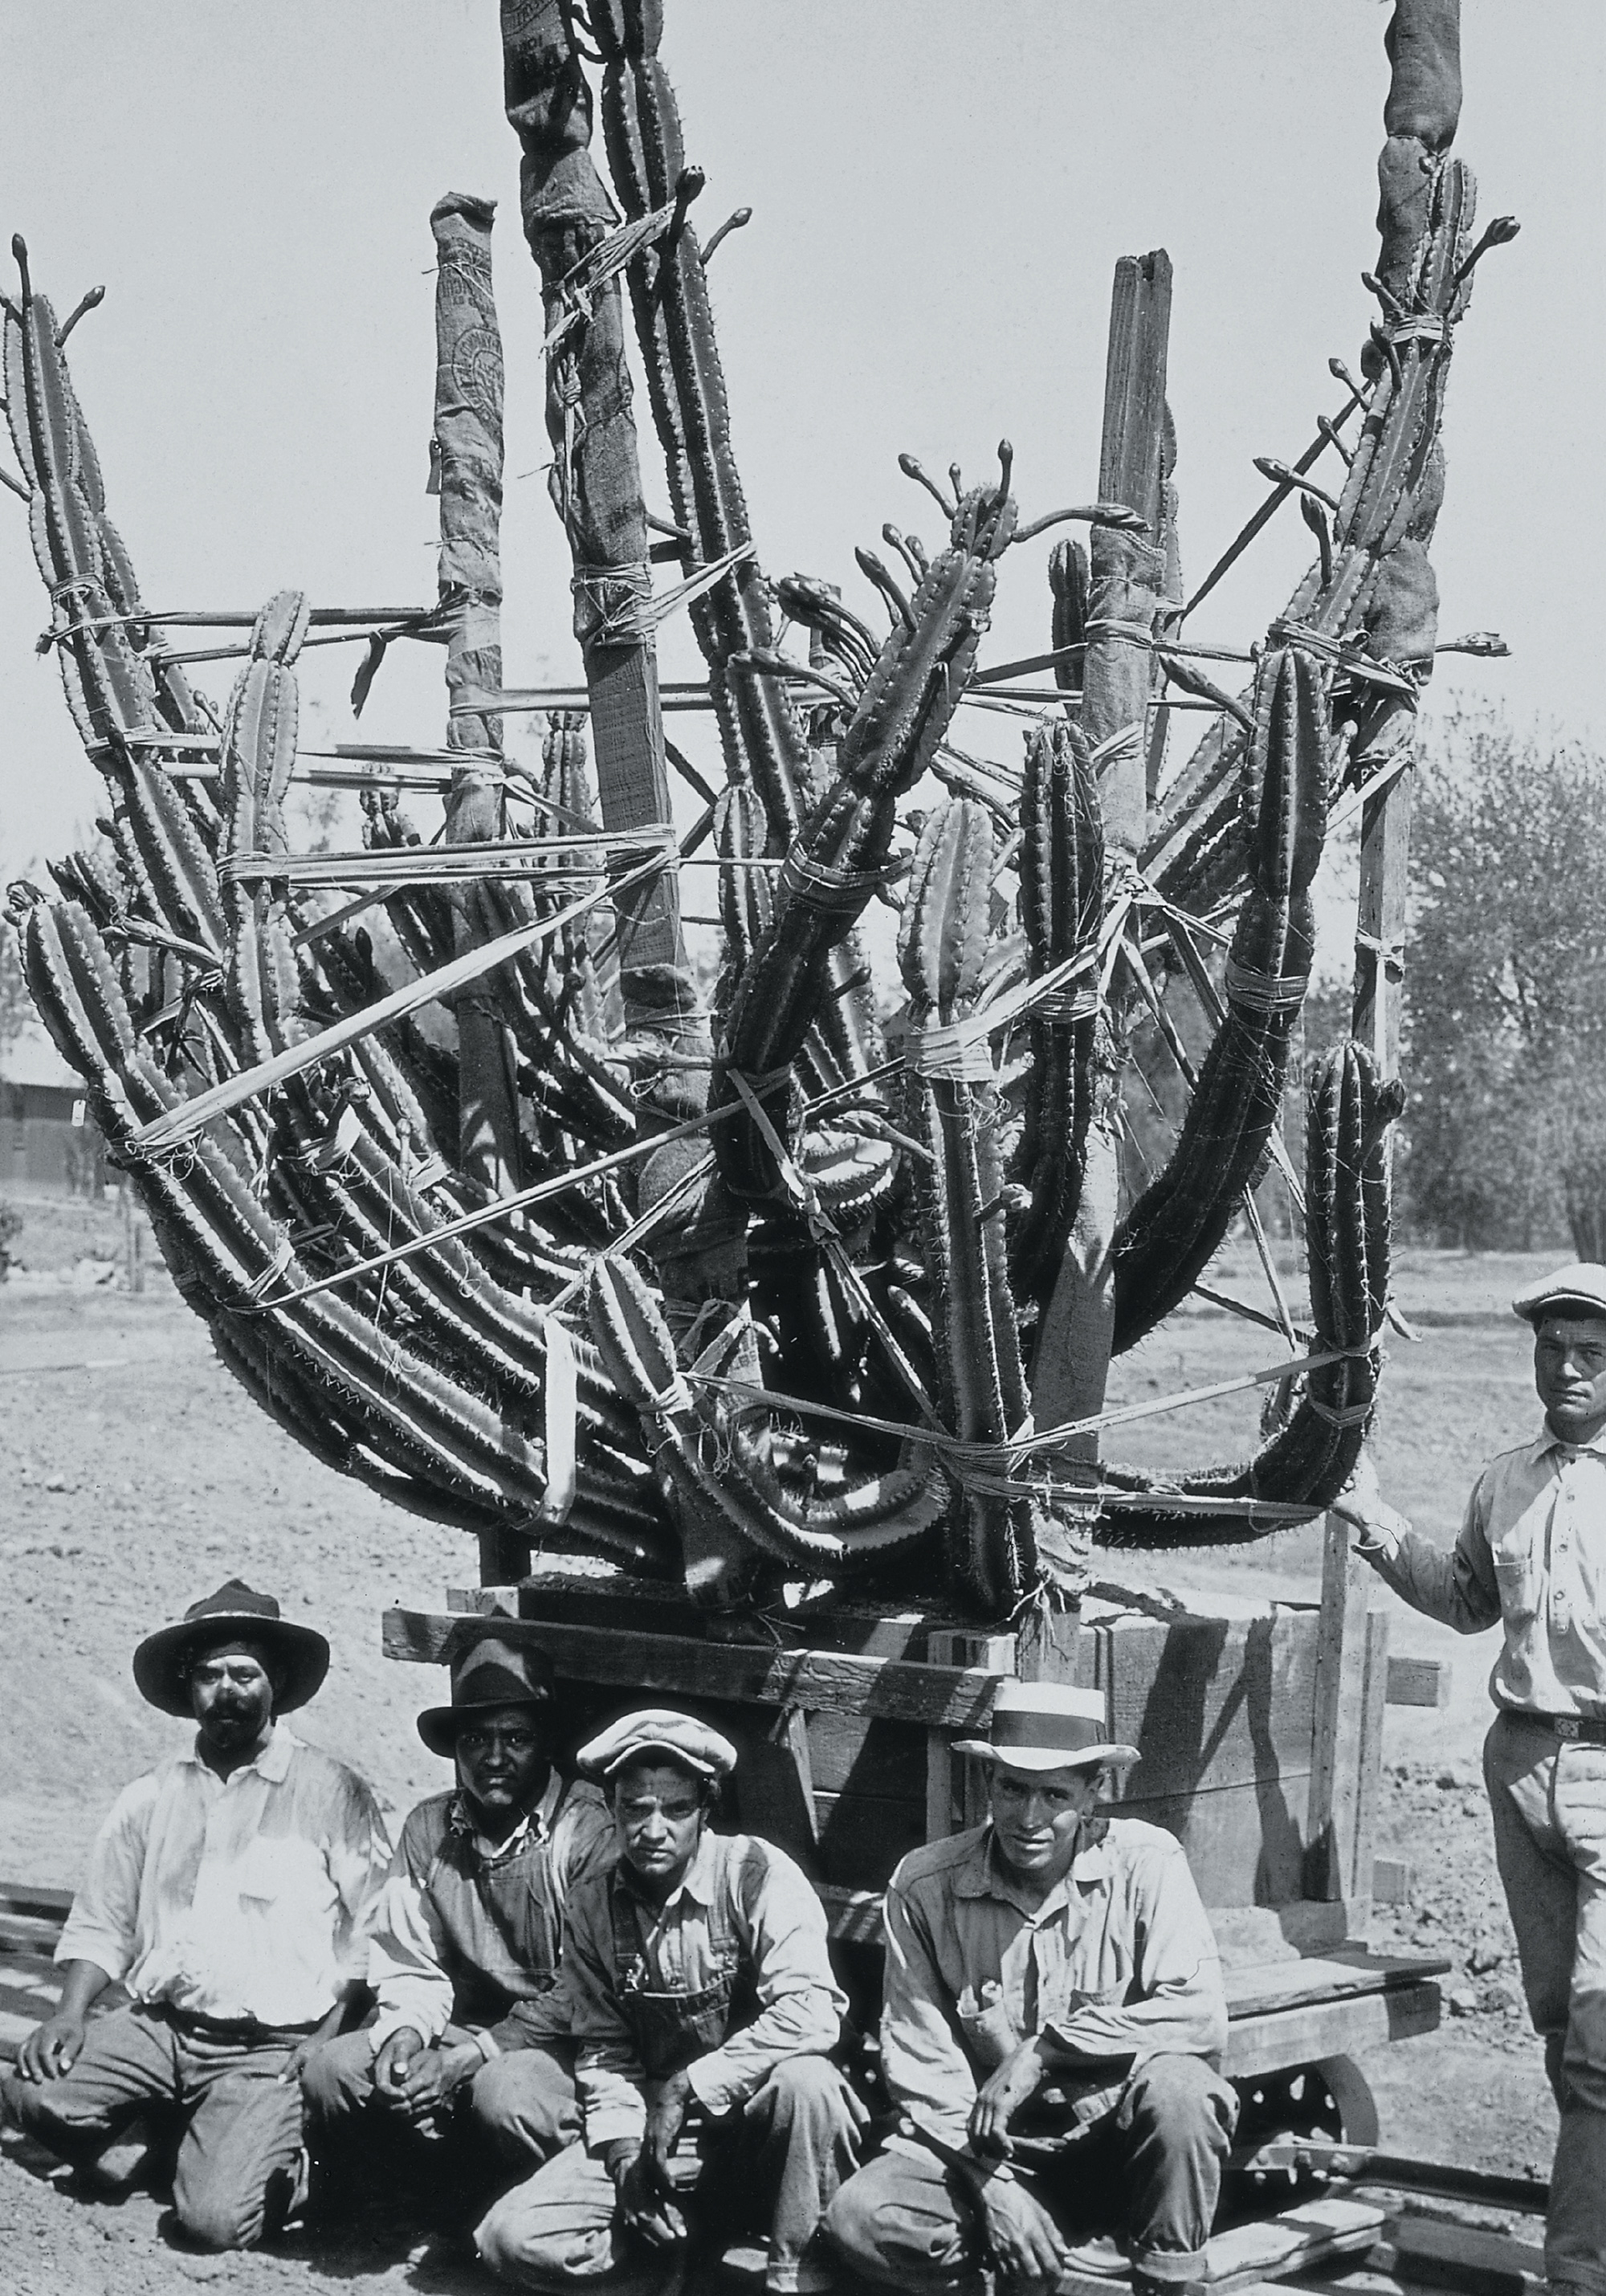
x,y
1569,1729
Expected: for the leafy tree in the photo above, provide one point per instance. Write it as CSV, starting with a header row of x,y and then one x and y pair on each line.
x,y
1506,990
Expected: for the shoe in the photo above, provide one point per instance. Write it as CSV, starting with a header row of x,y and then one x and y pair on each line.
x,y
1098,2259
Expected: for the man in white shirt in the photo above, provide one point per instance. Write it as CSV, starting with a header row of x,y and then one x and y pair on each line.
x,y
1531,1557
225,1891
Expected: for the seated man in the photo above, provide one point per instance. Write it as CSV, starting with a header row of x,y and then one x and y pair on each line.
x,y
463,1940
697,1977
225,1890
1053,2002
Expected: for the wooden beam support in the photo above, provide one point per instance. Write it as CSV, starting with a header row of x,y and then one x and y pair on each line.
x,y
944,1697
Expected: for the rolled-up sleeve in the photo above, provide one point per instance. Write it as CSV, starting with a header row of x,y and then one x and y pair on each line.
x,y
102,1926
406,1946
1176,2002
800,2004
926,2069
1460,1589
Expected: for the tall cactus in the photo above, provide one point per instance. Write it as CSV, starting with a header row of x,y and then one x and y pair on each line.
x,y
780,1297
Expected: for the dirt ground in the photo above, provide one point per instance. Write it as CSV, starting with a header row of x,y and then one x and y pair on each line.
x,y
137,1475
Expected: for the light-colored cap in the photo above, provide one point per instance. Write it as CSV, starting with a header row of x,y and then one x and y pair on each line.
x,y
1045,1726
658,1730
1576,1290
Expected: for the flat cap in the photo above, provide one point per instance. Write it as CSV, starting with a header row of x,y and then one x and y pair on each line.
x,y
1578,1290
658,1730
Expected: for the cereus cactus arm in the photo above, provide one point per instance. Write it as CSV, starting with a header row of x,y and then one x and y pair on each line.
x,y
1177,1226
1308,1461
952,1111
597,489
763,738
833,867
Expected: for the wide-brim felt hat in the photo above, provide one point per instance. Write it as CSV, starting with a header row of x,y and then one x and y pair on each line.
x,y
487,1675
1578,1289
1038,1726
235,1611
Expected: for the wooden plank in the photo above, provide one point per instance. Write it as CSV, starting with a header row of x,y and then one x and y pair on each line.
x,y
1134,383
1279,1985
1213,1701
1462,2257
1244,1844
29,1898
955,1697
1329,2029
1361,1855
1419,1681
855,1751
1237,2260
1337,1716
853,1916
953,1789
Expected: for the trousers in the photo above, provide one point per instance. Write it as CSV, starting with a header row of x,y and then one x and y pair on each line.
x,y
1549,1806
518,2110
1151,2167
240,2151
774,2165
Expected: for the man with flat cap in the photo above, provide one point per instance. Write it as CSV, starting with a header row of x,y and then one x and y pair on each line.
x,y
697,1976
463,1940
1054,2013
225,1892
1531,1558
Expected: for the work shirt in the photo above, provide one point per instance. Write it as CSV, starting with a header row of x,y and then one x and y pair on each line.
x,y
466,1930
238,1899
728,1979
1532,1551
1117,1964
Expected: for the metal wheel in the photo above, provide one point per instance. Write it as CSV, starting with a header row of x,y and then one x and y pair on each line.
x,y
1330,2097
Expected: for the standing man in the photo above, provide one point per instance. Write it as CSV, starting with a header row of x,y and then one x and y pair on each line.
x,y
225,1890
704,2002
1053,2011
1532,1557
464,1939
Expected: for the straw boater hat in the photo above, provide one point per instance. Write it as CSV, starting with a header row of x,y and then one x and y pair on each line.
x,y
1044,1726
658,1730
235,1612
488,1675
1578,1289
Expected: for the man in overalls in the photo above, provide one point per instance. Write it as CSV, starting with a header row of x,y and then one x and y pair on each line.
x,y
463,1944
702,2000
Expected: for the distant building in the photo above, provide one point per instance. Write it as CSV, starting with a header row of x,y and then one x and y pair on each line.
x,y
46,1139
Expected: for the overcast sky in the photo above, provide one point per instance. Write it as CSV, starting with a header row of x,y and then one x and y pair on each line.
x,y
940,192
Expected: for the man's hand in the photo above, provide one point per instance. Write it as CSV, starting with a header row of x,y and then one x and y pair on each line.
x,y
666,2118
1361,1503
52,2048
642,2208
1021,2238
414,2081
1001,2096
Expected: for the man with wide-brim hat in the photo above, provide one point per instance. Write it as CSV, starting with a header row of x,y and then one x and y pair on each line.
x,y
226,1893
1531,1559
696,1973
466,2043
1053,2020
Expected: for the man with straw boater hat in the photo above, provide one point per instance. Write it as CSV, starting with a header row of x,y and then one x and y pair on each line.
x,y
464,2041
704,2006
225,1892
1053,2011
1531,1558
